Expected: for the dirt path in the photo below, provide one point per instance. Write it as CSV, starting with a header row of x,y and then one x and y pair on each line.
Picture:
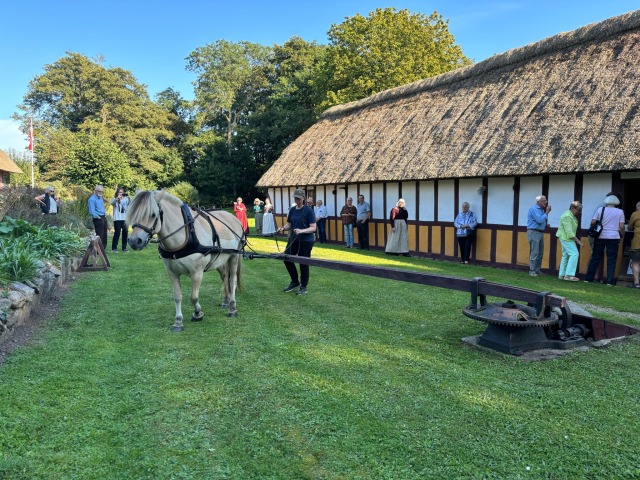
x,y
29,333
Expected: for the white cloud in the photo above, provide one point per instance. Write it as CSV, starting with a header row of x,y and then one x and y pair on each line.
x,y
11,136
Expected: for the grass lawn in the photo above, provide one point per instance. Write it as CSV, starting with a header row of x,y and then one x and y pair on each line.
x,y
363,378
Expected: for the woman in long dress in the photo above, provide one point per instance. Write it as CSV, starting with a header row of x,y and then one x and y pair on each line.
x,y
398,241
240,210
268,222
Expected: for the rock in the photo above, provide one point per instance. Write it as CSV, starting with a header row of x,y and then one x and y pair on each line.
x,y
17,299
55,271
5,304
28,292
32,285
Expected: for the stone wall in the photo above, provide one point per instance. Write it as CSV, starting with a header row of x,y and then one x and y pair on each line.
x,y
23,298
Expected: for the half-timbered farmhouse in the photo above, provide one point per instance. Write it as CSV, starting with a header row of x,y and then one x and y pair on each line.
x,y
559,117
7,167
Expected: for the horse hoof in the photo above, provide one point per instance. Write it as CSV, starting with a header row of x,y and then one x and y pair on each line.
x,y
232,314
197,318
177,329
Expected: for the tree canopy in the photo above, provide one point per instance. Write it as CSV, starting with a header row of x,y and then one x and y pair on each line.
x,y
98,125
77,96
387,49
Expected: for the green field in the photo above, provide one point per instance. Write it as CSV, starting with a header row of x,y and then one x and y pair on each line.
x,y
363,378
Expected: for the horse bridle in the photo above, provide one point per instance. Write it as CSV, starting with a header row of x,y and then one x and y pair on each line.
x,y
151,231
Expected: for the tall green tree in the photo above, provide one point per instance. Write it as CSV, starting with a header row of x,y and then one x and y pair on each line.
x,y
289,108
384,50
95,159
232,79
78,96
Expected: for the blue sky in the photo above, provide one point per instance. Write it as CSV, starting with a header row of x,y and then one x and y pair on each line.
x,y
151,38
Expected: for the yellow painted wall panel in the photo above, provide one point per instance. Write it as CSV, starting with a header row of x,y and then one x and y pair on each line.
x,y
483,244
424,239
523,249
380,228
585,255
449,240
337,231
412,237
503,246
545,256
436,247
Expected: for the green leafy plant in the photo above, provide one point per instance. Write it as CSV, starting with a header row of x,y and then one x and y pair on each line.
x,y
18,262
14,228
55,243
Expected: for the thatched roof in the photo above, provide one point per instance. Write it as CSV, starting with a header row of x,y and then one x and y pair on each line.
x,y
568,103
7,165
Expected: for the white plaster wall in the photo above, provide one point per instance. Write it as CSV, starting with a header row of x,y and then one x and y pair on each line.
x,y
594,188
271,194
427,197
352,191
368,195
530,188
446,206
468,192
500,201
560,196
393,194
375,200
320,189
409,195
330,200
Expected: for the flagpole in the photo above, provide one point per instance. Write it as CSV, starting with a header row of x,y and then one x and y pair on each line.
x,y
31,148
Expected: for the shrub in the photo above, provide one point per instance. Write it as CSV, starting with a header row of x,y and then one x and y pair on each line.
x,y
185,192
22,245
54,243
18,202
18,262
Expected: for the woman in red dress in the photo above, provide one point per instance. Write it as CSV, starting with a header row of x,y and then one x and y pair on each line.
x,y
240,210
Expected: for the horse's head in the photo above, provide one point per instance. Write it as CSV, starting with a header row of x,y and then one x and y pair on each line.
x,y
144,216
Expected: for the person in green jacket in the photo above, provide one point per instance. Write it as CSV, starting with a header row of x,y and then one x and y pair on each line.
x,y
567,234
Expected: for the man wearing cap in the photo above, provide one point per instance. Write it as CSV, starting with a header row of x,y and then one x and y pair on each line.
x,y
537,219
302,221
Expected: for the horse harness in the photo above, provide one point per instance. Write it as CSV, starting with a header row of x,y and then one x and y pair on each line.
x,y
191,245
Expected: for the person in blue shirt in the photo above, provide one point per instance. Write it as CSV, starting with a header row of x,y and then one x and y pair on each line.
x,y
362,223
98,214
302,222
537,221
465,223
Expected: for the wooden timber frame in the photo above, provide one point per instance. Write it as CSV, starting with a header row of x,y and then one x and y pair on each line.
x,y
95,257
479,289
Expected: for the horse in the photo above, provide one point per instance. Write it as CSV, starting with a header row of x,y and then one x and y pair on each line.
x,y
191,241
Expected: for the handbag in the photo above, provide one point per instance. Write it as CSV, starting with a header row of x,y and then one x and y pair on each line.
x,y
471,232
596,229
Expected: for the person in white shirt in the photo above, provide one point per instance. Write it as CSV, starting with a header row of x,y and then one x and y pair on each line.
x,y
321,221
120,204
48,201
610,238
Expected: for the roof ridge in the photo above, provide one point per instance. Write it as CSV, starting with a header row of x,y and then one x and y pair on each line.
x,y
606,28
